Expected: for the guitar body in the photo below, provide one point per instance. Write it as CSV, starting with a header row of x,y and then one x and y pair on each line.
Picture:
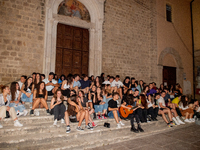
x,y
124,112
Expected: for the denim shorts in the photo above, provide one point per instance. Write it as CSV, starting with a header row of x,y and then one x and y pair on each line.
x,y
110,114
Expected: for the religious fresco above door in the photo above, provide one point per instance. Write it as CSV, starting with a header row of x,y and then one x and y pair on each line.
x,y
74,8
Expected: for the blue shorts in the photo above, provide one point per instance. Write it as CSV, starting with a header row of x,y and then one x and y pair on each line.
x,y
110,114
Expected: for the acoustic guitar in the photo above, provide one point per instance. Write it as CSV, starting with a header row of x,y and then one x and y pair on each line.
x,y
124,112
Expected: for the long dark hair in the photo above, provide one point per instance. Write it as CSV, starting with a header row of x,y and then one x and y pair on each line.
x,y
38,89
143,100
185,103
35,81
129,99
100,81
69,80
62,76
26,84
101,94
55,95
13,90
71,109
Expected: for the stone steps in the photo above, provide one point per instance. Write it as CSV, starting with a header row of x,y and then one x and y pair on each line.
x,y
59,135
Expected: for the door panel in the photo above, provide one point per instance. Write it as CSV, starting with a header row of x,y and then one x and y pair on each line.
x,y
72,50
169,75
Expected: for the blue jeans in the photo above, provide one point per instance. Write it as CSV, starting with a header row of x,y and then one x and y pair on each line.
x,y
27,99
110,114
100,108
18,107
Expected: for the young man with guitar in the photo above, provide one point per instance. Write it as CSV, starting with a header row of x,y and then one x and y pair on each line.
x,y
127,111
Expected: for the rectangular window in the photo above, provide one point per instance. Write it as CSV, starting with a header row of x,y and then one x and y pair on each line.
x,y
169,13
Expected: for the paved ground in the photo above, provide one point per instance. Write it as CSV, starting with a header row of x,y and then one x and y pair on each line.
x,y
186,138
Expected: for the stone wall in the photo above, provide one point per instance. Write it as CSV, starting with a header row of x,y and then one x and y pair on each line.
x,y
21,38
129,39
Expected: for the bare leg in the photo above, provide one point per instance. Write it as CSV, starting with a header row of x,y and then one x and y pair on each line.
x,y
54,90
186,115
86,117
36,103
190,116
44,103
174,112
82,116
66,118
160,112
115,116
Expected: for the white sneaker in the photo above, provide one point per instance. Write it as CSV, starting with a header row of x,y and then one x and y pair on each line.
x,y
1,126
17,123
192,120
55,122
62,121
121,123
25,112
176,122
179,120
186,120
118,125
20,114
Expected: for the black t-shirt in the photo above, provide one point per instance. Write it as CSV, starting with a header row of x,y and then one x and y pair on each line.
x,y
112,104
132,85
127,84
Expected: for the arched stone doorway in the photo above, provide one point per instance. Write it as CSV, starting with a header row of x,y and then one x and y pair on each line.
x,y
178,61
96,10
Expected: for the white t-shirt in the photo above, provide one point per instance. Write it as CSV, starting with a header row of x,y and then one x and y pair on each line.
x,y
117,83
50,87
106,82
20,84
162,101
149,103
66,86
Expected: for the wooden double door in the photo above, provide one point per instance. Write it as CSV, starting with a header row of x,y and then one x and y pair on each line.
x,y
169,75
72,50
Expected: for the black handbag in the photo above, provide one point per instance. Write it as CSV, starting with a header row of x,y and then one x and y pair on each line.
x,y
107,125
7,114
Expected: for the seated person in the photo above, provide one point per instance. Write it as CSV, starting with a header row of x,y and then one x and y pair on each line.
x,y
40,97
130,101
27,91
117,86
4,106
84,103
113,110
57,107
99,105
196,109
166,110
76,83
175,104
15,100
75,109
186,110
152,108
51,84
126,84
151,90
85,84
67,86
22,81
142,111
61,79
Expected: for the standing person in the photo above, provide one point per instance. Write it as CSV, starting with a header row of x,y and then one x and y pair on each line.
x,y
22,81
113,110
27,91
4,106
130,101
15,100
51,84
40,97
57,107
76,83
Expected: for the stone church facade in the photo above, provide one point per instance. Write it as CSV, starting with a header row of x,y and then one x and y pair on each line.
x,y
127,37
